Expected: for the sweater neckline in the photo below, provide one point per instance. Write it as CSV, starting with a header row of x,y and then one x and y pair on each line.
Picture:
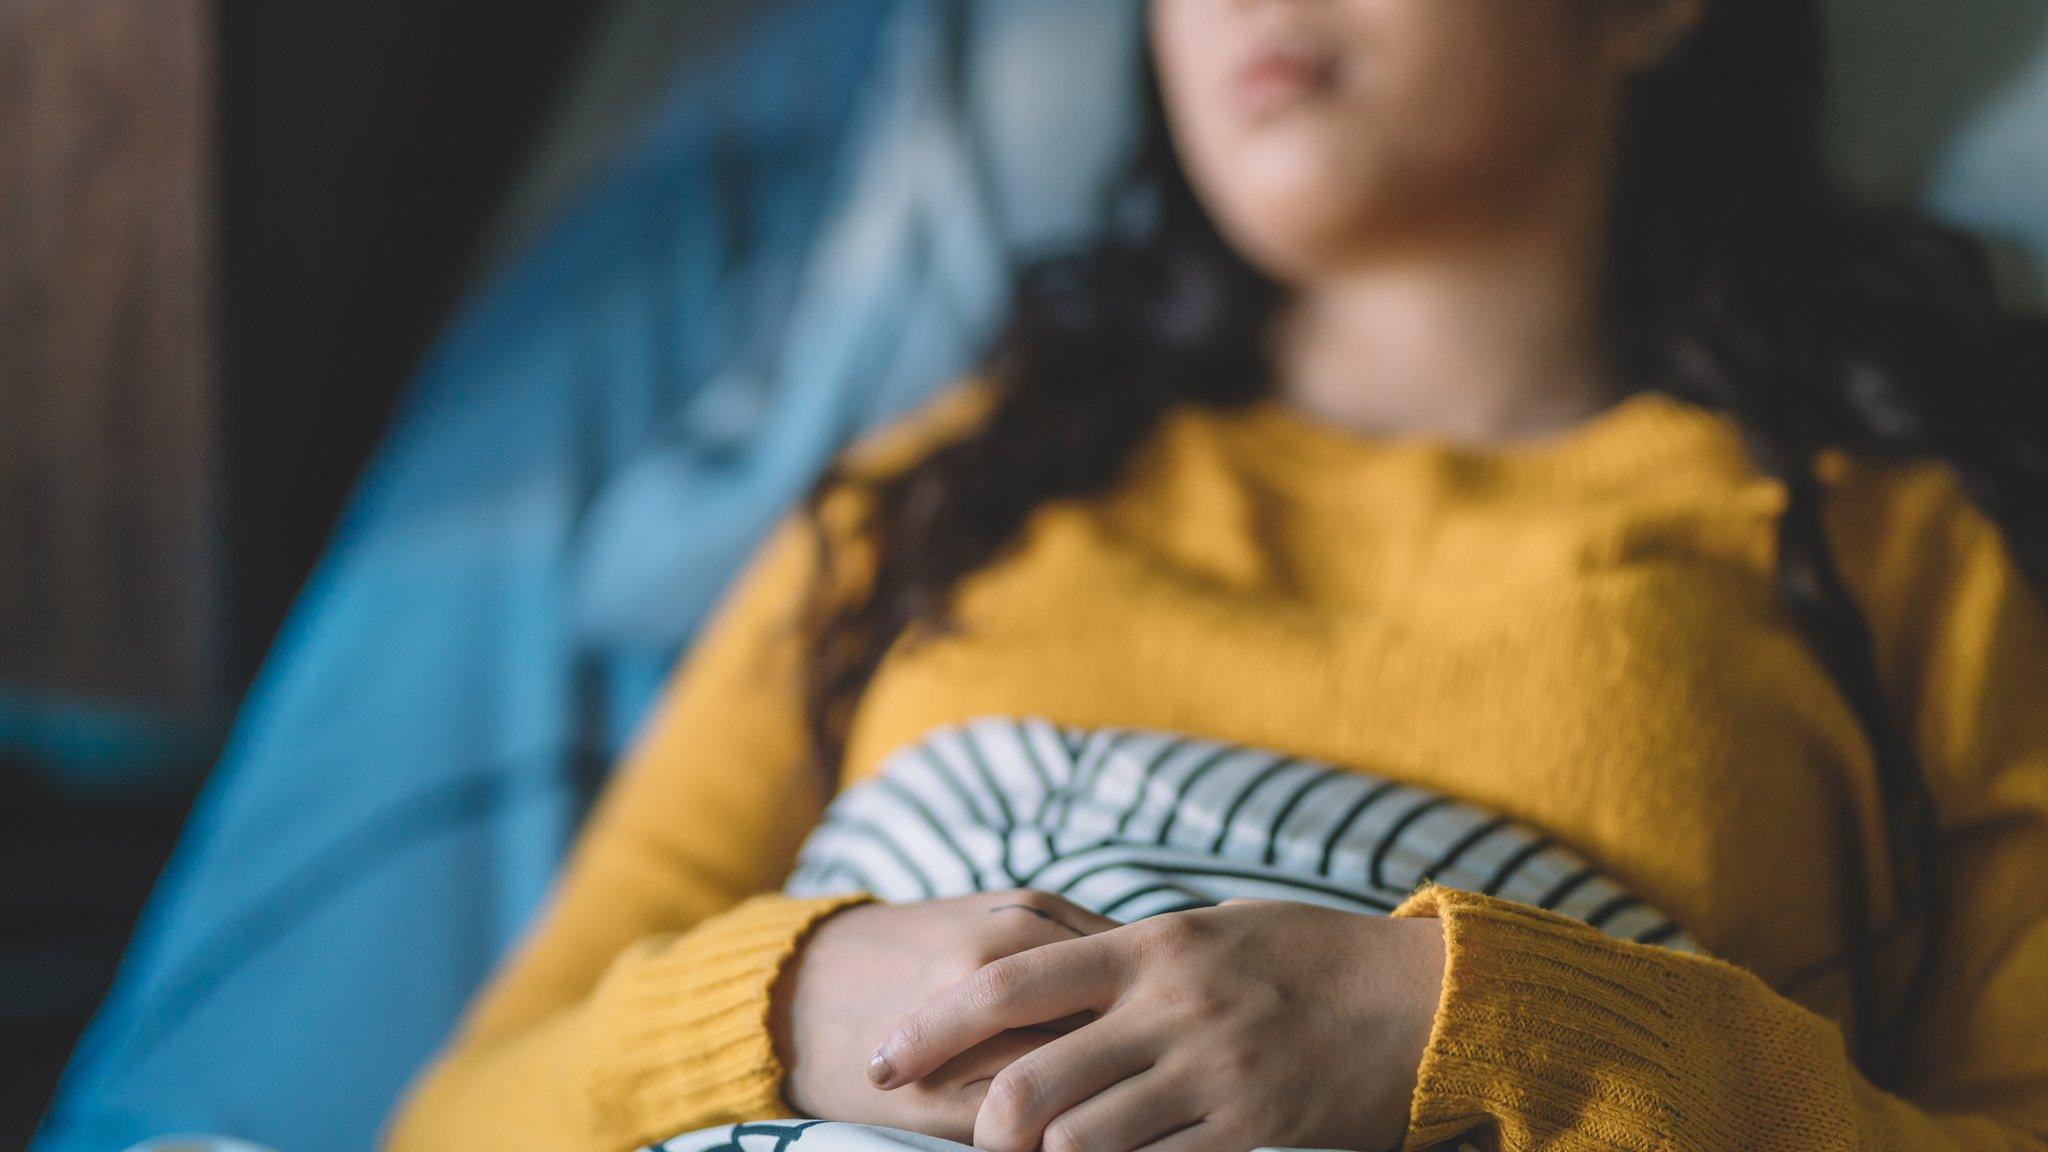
x,y
1642,432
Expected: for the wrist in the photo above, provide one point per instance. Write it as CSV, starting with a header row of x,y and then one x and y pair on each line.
x,y
1426,984
792,990
1403,995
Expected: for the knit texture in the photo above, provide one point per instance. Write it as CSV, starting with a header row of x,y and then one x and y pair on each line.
x,y
1581,634
683,1024
1561,1038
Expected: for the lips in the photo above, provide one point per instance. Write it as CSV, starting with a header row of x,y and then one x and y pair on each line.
x,y
1277,77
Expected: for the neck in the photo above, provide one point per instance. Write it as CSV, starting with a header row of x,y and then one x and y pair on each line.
x,y
1490,335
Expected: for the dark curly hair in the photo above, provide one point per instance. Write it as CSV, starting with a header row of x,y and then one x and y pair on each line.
x,y
1743,280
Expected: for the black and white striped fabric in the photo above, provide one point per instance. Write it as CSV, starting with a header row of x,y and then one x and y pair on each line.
x,y
1134,824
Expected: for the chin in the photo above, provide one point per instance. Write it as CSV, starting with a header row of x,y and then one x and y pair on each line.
x,y
1306,237
1296,210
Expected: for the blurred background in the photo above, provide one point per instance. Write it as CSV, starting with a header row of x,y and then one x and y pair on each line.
x,y
227,233
386,387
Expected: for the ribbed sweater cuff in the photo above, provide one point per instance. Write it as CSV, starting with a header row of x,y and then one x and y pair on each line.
x,y
681,1029
1548,1031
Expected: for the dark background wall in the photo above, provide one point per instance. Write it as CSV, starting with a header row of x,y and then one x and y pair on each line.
x,y
364,147
226,232
108,580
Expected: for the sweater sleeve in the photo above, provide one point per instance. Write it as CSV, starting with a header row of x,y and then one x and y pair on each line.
x,y
1550,1035
639,1007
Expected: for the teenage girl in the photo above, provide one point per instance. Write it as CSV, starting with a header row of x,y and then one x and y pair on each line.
x,y
1491,476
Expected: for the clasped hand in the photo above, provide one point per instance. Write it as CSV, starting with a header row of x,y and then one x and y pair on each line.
x,y
1018,1021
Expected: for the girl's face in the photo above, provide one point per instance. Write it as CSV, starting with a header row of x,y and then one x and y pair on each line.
x,y
1319,132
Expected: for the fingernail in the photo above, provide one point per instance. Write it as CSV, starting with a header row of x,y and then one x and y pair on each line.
x,y
879,1071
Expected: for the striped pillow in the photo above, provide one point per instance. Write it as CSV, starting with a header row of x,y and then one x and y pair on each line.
x,y
1135,823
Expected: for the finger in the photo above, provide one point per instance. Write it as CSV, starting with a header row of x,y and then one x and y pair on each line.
x,y
1146,1107
946,1103
980,1064
1067,1023
1034,919
1021,991
1037,1088
1022,920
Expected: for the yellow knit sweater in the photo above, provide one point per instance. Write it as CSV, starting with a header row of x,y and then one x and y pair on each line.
x,y
1580,633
